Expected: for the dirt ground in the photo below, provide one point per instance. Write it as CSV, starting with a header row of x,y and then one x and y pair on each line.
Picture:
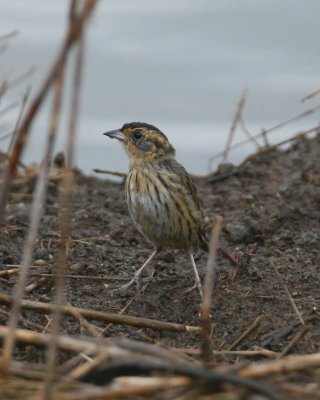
x,y
271,211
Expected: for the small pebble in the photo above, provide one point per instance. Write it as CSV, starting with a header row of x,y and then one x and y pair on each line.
x,y
40,263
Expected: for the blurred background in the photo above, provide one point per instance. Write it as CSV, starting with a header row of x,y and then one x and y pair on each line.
x,y
178,64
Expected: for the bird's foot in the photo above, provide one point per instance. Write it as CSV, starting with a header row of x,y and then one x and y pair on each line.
x,y
136,281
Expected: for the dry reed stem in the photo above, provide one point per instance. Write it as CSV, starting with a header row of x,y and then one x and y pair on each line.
x,y
248,133
267,131
75,100
210,378
87,367
94,330
218,353
9,35
115,350
114,347
289,364
266,150
35,217
21,111
295,340
15,271
66,198
5,85
83,277
309,391
66,343
91,363
147,349
124,309
247,332
233,128
133,346
132,387
14,132
36,284
209,285
123,388
106,171
138,322
311,95
20,78
5,155
26,322
70,39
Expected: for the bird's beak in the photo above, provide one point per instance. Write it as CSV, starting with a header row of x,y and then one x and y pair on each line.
x,y
116,134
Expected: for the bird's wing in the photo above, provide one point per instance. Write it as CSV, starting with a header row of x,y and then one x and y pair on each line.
x,y
182,179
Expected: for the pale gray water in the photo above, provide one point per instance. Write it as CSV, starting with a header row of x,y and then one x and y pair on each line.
x,y
178,64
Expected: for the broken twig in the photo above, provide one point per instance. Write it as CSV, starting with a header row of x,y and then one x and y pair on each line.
x,y
103,316
209,284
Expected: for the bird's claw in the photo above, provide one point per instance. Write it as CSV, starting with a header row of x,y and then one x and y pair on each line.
x,y
135,281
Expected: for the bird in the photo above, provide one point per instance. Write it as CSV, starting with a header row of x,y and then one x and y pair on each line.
x,y
161,195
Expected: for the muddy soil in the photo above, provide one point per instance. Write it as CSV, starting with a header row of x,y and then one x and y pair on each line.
x,y
271,212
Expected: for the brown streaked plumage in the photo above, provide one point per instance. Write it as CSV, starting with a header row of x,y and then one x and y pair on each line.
x,y
161,196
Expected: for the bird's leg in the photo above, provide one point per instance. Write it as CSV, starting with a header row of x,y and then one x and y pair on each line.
x,y
136,277
198,282
138,273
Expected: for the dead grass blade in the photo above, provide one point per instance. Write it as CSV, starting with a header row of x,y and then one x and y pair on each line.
x,y
209,285
290,364
268,131
105,171
234,125
8,36
21,111
35,217
311,95
76,17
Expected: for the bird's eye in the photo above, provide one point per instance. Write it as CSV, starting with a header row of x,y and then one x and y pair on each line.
x,y
137,135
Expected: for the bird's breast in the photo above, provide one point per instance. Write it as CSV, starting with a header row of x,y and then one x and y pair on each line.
x,y
163,213
146,200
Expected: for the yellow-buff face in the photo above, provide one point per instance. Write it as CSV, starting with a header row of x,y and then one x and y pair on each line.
x,y
143,142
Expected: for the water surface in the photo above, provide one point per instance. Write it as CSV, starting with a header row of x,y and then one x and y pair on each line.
x,y
180,65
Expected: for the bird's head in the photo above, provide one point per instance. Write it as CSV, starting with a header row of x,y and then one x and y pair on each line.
x,y
143,142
